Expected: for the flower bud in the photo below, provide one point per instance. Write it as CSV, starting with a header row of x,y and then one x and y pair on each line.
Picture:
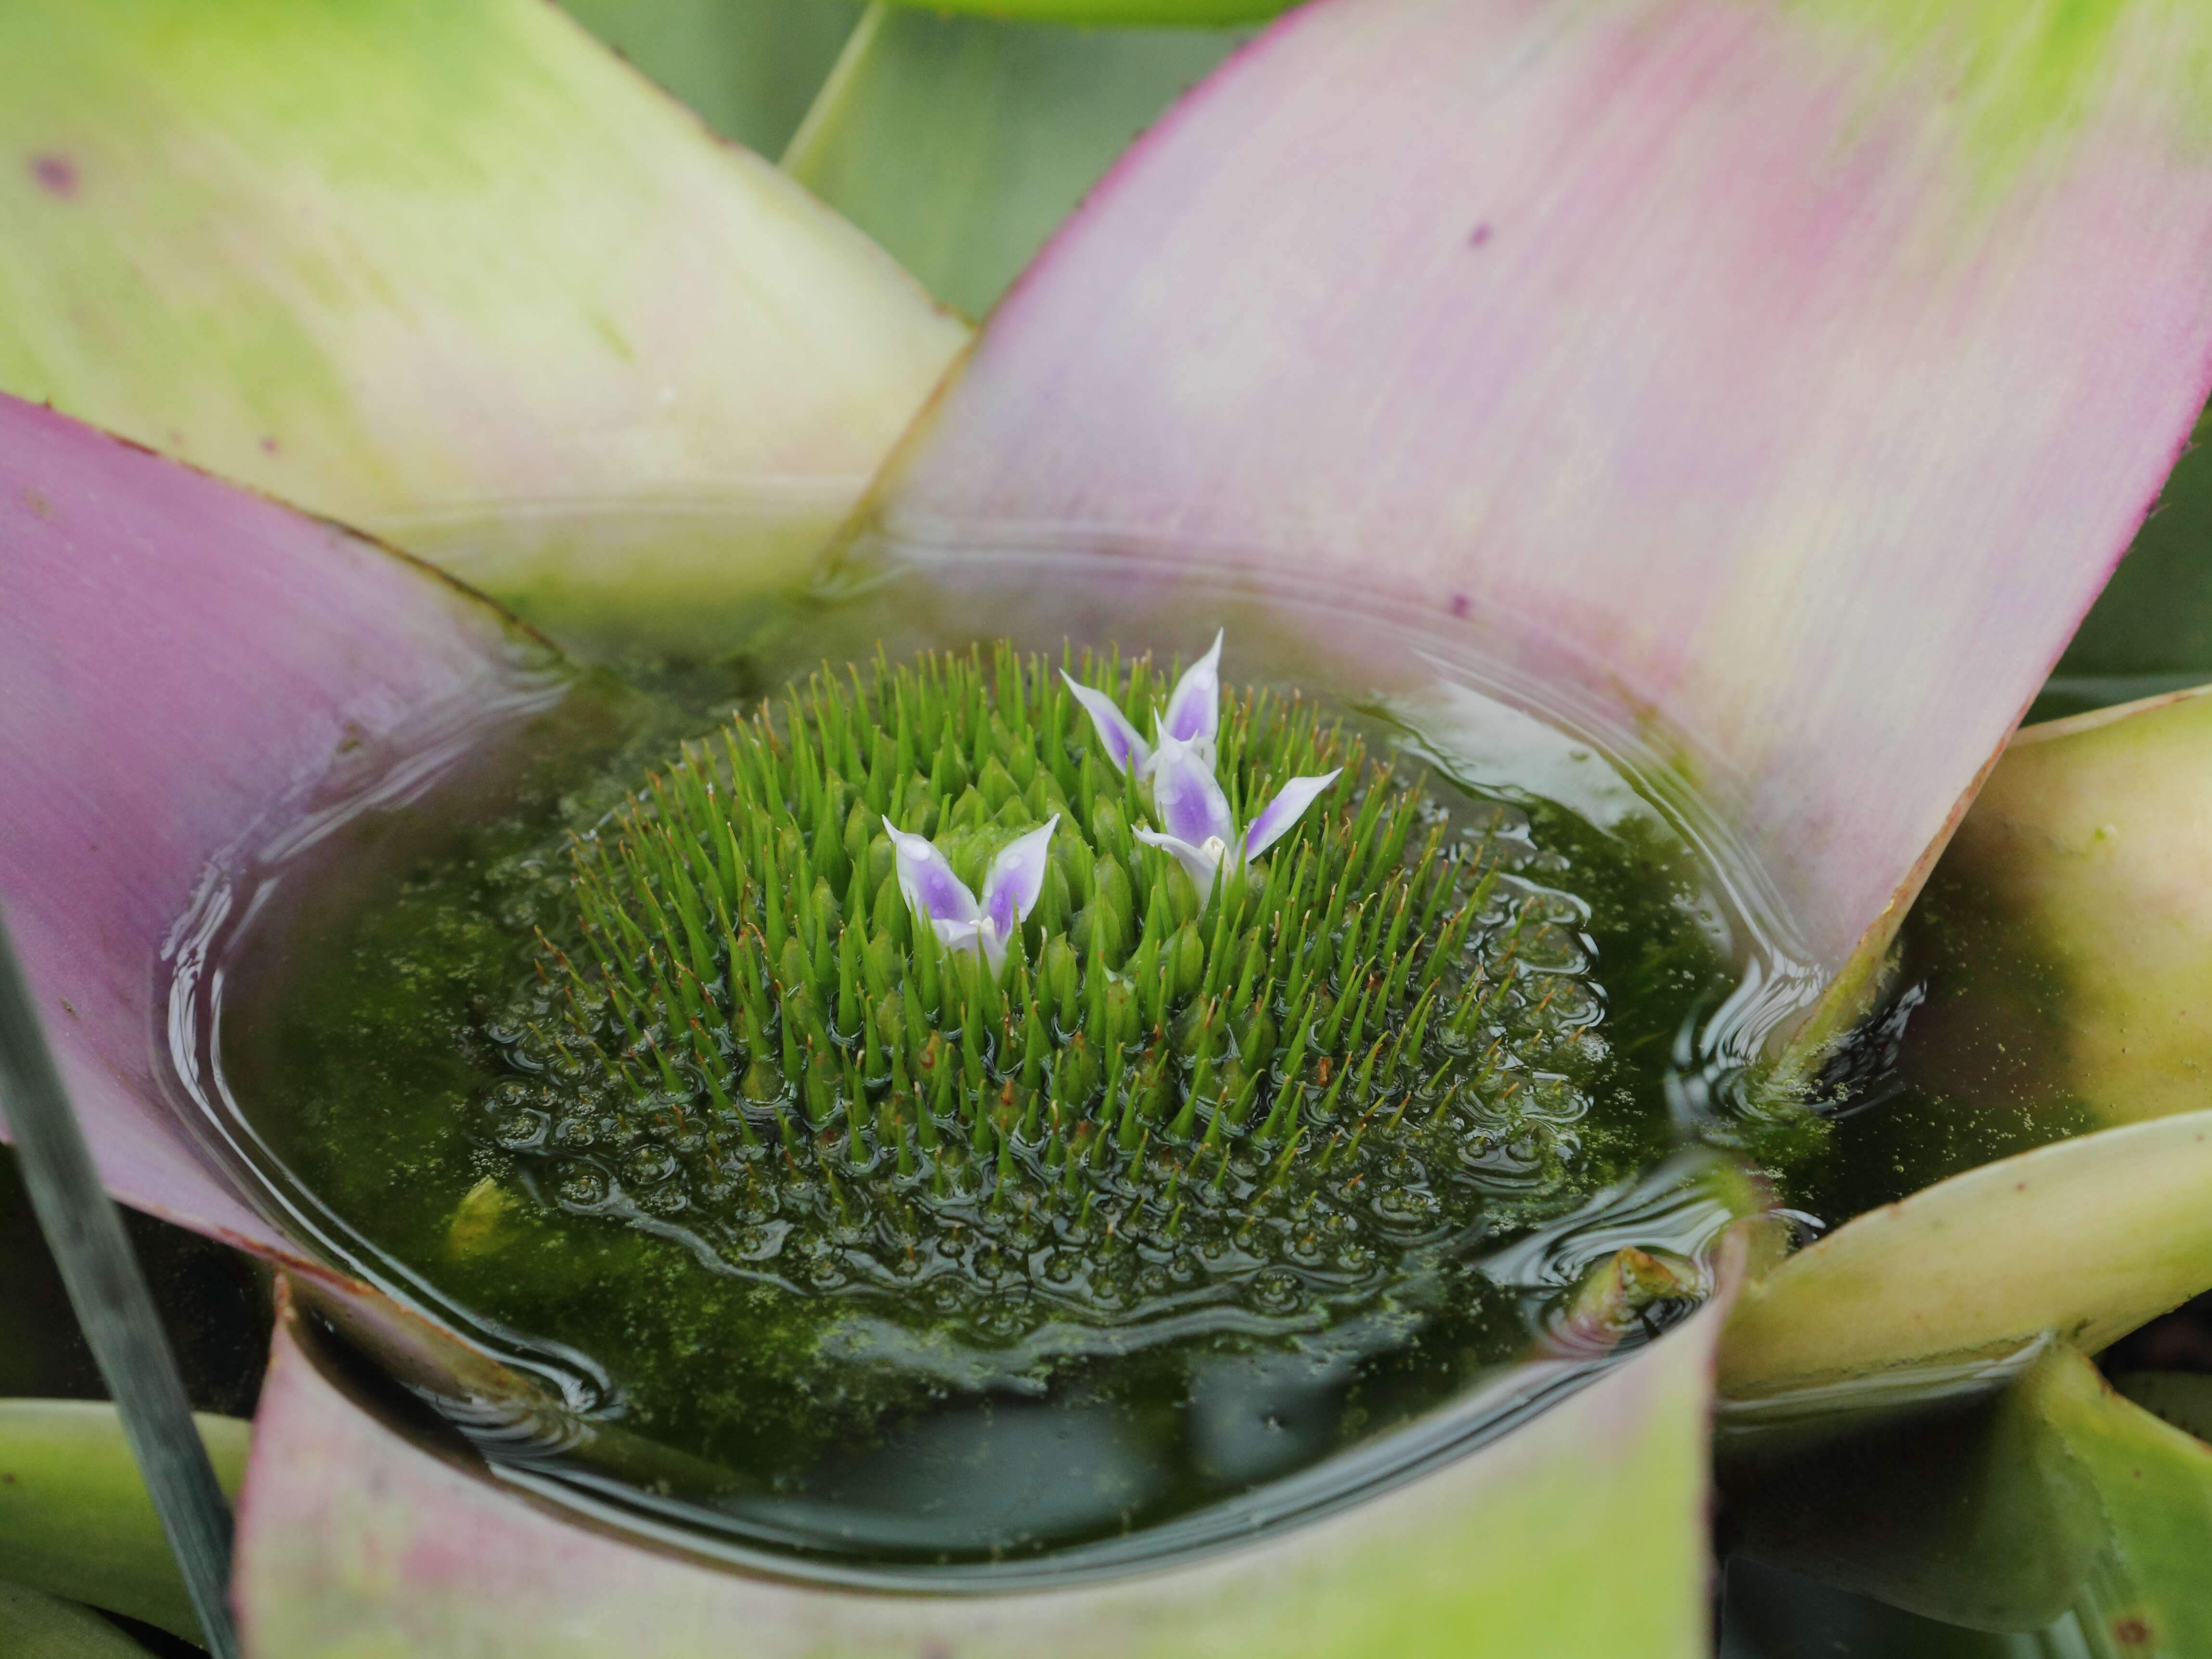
x,y
1188,954
1061,975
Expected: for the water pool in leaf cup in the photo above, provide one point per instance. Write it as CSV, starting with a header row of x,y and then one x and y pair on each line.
x,y
972,1078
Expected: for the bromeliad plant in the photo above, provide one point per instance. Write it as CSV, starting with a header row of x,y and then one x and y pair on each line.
x,y
1786,375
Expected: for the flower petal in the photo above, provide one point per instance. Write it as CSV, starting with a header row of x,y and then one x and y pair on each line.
x,y
1610,1486
183,665
977,937
482,293
1124,745
1288,806
1015,879
1804,420
1185,796
1201,864
926,877
1193,712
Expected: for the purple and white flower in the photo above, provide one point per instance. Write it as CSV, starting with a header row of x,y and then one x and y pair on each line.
x,y
1196,826
961,921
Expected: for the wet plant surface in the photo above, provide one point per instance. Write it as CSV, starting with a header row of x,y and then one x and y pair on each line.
x,y
651,1077
1960,1067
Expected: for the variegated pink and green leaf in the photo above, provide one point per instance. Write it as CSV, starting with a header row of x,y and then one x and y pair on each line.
x,y
2150,631
182,664
355,1541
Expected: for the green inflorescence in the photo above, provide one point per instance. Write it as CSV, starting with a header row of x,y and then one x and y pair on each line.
x,y
1267,1102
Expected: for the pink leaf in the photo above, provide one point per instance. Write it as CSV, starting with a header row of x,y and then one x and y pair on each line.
x,y
353,1538
181,663
1792,372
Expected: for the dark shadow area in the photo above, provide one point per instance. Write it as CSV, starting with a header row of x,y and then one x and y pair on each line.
x,y
214,1304
1766,1613
155,1640
2178,1341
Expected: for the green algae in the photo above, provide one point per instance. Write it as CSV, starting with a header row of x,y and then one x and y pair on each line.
x,y
1235,1111
371,1034
1959,1068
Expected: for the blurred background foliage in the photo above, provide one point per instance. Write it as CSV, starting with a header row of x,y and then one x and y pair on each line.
x,y
749,68
956,140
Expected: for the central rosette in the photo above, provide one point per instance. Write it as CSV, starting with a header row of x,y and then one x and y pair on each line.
x,y
943,988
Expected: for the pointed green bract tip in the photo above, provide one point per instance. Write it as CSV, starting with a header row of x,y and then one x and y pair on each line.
x,y
1274,1095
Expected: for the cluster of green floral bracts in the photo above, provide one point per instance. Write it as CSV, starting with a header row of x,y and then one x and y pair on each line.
x,y
1274,1089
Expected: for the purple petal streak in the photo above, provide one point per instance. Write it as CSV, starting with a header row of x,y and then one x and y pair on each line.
x,y
1015,879
926,877
1190,804
1195,709
1125,746
1276,817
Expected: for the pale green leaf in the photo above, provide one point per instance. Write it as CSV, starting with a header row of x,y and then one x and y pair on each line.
x,y
2154,1484
2181,1398
75,1518
1581,1536
1184,14
2056,1503
2082,868
2085,1238
36,1627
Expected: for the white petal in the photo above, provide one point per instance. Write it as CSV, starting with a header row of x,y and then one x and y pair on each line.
x,y
926,877
1202,862
1015,879
977,936
1288,806
1195,709
1121,740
